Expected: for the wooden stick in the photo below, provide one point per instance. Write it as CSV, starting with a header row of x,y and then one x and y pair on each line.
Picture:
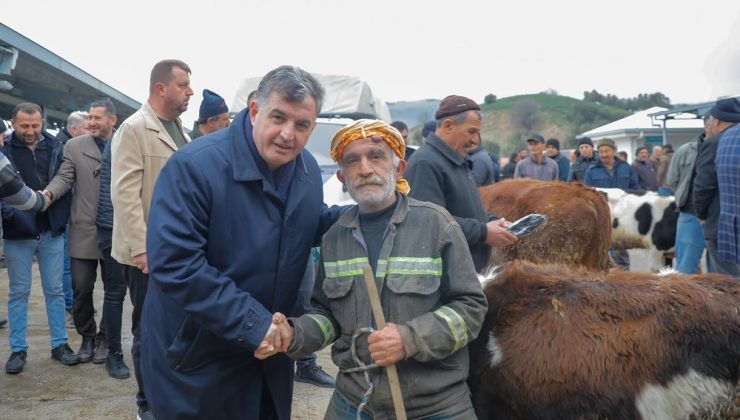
x,y
393,382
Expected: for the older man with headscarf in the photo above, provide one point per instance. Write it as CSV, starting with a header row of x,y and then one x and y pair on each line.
x,y
427,282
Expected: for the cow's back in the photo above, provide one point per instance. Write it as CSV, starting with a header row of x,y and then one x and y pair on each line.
x,y
578,230
560,343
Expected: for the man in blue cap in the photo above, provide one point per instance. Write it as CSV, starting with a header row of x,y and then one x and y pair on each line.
x,y
213,116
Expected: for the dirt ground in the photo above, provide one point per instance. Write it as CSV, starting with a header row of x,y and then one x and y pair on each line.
x,y
47,390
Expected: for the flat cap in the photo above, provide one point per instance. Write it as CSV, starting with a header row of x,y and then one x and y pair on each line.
x,y
453,105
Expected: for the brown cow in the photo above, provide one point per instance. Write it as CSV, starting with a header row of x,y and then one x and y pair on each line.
x,y
578,229
558,343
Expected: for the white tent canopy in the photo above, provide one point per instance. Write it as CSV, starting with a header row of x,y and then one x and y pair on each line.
x,y
345,95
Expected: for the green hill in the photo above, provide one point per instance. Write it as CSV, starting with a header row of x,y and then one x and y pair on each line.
x,y
508,121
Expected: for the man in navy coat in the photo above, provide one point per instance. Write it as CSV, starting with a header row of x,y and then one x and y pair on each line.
x,y
231,225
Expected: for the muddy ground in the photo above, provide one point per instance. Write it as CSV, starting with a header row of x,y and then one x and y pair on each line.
x,y
47,390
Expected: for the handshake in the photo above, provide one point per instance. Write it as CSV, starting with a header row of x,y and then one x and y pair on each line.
x,y
277,339
46,196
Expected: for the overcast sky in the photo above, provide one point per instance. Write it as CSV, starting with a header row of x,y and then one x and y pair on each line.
x,y
405,49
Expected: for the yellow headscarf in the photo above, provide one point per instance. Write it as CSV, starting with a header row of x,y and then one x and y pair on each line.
x,y
364,128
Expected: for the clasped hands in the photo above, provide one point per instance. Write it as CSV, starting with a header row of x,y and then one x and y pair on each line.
x,y
277,339
386,345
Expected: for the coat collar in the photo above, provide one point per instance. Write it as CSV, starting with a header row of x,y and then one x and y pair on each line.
x,y
153,123
90,148
446,151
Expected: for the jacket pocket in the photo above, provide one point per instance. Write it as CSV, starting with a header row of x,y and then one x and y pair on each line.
x,y
412,284
179,353
412,295
335,288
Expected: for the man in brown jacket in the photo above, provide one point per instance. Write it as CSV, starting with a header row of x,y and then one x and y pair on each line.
x,y
139,151
81,168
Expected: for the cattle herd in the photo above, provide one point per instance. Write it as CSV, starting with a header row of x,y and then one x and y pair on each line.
x,y
567,337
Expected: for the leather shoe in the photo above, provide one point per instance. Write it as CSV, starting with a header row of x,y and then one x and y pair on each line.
x,y
101,350
65,355
116,367
314,375
85,353
16,362
3,322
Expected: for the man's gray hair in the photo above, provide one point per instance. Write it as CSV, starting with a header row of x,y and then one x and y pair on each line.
x,y
293,84
76,119
458,119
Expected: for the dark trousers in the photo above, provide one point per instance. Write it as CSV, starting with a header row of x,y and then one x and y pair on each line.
x,y
137,283
305,291
115,292
84,274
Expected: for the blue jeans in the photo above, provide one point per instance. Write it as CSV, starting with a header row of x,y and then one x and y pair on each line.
x,y
689,243
67,276
19,257
339,409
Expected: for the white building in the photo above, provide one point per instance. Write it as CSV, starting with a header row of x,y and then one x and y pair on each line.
x,y
642,129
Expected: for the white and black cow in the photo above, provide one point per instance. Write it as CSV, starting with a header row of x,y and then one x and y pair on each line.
x,y
563,343
643,220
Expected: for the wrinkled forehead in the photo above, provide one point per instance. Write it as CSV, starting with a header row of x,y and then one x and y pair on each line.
x,y
368,143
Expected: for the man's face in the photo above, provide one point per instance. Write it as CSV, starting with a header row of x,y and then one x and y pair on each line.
x,y
101,123
657,152
587,151
219,121
405,134
82,129
458,136
551,150
28,127
711,128
642,156
523,154
473,145
281,128
535,147
177,92
606,154
367,172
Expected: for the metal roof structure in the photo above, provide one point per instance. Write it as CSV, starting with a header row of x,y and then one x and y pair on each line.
x,y
31,73
697,110
642,123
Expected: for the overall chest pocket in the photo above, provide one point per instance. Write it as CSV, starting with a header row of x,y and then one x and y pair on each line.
x,y
412,295
341,294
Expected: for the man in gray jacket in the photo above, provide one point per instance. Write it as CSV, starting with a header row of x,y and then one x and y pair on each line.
x,y
427,283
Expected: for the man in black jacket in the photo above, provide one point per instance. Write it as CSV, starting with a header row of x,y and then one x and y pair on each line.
x,y
587,157
724,114
36,157
438,172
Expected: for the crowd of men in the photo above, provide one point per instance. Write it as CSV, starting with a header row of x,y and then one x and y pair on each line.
x,y
211,238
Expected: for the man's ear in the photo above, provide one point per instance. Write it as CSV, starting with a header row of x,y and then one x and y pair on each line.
x,y
253,109
340,175
401,168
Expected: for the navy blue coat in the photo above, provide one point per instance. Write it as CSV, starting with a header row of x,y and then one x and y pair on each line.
x,y
224,253
19,224
623,176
